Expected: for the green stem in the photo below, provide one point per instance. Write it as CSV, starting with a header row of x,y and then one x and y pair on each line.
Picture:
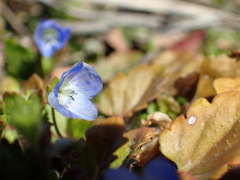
x,y
47,65
55,123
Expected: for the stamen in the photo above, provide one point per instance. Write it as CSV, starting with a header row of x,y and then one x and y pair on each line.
x,y
72,98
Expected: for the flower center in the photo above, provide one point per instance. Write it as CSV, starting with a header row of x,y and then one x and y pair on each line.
x,y
72,94
66,97
50,35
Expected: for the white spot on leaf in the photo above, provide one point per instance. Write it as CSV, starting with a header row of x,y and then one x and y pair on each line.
x,y
192,120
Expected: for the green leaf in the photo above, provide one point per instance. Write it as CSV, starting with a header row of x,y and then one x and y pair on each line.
x,y
121,154
10,134
24,114
78,127
9,84
20,61
62,121
52,84
152,107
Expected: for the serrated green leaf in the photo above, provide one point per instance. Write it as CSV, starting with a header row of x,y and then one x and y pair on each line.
x,y
121,154
24,114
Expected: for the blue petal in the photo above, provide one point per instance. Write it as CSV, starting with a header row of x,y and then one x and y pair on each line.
x,y
64,36
82,79
46,49
79,108
86,81
120,174
160,169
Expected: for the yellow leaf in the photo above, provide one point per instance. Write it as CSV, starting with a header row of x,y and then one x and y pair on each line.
x,y
207,140
213,68
128,93
226,84
177,65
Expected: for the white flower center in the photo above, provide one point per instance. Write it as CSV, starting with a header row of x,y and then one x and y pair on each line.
x,y
50,36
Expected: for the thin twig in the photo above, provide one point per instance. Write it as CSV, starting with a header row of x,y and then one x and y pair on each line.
x,y
55,123
13,20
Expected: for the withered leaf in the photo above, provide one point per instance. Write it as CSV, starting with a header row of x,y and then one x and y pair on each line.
x,y
226,84
186,176
128,93
235,54
161,120
142,146
190,43
187,86
213,68
115,38
34,82
115,63
35,85
207,141
177,65
105,137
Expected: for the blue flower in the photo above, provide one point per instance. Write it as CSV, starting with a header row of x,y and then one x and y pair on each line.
x,y
77,86
50,37
155,170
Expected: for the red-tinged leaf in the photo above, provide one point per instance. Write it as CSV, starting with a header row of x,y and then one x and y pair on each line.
x,y
190,43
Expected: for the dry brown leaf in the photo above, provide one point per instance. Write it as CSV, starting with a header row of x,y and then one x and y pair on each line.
x,y
35,84
213,68
116,63
187,86
115,38
226,84
186,176
235,54
106,137
161,120
191,43
207,141
126,94
143,144
177,65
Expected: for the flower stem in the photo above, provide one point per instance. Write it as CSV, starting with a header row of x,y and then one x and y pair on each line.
x,y
47,65
55,123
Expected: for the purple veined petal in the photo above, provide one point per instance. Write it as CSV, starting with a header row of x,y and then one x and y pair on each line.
x,y
73,107
71,96
86,82
120,174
